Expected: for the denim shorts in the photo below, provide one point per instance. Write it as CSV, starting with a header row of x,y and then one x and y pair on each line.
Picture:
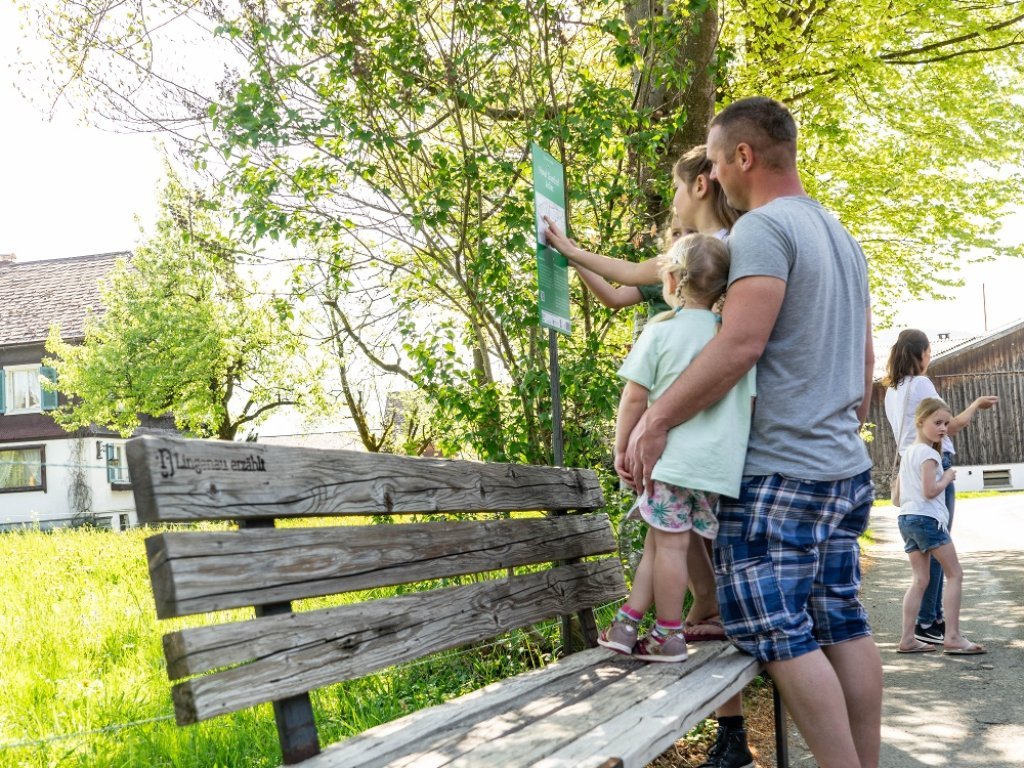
x,y
787,563
922,533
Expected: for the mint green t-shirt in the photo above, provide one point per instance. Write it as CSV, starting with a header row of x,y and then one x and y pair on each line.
x,y
707,452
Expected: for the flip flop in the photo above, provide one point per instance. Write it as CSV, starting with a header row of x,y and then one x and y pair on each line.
x,y
919,648
972,649
711,629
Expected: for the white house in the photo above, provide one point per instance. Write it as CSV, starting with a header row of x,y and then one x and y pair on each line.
x,y
49,477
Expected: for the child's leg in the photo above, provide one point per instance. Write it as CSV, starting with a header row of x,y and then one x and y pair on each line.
x,y
952,593
641,597
670,576
912,599
623,633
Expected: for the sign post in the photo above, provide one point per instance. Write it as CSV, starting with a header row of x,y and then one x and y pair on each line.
x,y
552,277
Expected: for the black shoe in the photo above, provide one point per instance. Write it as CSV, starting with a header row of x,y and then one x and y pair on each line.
x,y
935,634
730,750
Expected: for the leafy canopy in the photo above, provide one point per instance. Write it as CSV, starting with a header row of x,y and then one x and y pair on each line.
x,y
183,335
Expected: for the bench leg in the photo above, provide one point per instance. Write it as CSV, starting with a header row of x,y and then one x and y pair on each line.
x,y
296,729
296,724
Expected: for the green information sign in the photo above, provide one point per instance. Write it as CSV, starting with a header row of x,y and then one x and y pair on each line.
x,y
552,267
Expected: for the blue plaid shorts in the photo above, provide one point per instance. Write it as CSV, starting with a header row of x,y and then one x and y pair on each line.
x,y
787,564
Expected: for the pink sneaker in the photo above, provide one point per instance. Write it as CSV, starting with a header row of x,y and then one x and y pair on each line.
x,y
672,648
620,637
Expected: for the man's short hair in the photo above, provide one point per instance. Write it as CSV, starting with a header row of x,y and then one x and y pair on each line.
x,y
764,124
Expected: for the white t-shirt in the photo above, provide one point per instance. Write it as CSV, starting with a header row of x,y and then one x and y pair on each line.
x,y
705,453
897,413
912,499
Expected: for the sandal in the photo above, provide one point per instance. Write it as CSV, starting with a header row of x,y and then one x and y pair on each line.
x,y
971,649
919,648
710,628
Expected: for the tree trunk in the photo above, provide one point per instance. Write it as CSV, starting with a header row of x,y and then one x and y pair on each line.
x,y
695,94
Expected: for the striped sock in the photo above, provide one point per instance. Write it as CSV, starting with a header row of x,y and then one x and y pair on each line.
x,y
663,629
629,615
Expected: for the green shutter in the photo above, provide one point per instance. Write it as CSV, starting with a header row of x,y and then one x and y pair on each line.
x,y
3,390
49,398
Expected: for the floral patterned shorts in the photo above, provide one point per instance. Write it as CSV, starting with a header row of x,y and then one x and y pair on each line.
x,y
674,509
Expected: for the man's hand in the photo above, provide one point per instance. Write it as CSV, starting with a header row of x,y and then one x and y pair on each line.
x,y
646,444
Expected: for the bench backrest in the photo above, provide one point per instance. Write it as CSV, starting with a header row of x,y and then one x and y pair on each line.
x,y
278,654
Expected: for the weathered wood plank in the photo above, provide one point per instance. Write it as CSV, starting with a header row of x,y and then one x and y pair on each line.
x,y
576,718
194,572
285,655
177,480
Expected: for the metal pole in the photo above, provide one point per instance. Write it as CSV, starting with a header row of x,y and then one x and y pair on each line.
x,y
556,400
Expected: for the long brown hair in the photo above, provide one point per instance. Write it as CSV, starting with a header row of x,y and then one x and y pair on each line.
x,y
906,358
695,163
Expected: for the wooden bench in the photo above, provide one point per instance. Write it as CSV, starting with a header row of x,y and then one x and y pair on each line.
x,y
591,708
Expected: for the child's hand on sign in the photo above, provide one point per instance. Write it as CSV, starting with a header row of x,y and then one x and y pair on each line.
x,y
556,239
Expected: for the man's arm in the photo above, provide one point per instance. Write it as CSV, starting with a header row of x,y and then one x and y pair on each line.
x,y
869,373
751,309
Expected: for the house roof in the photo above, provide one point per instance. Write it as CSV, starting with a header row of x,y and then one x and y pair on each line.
x,y
36,294
951,348
945,347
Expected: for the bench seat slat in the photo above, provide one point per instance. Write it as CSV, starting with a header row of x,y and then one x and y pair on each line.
x,y
550,718
178,480
195,572
285,655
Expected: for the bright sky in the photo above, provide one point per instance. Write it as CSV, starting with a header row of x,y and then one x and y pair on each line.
x,y
70,190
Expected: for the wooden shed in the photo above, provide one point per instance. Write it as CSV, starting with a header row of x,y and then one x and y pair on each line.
x,y
989,452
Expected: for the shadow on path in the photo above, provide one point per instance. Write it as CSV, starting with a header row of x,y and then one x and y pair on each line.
x,y
943,710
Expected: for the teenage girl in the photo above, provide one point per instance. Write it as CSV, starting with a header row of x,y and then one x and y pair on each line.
x,y
703,457
924,525
699,205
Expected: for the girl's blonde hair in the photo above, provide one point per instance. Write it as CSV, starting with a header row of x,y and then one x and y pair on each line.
x,y
926,408
695,163
700,266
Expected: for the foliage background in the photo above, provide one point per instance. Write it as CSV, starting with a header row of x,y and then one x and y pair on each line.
x,y
380,149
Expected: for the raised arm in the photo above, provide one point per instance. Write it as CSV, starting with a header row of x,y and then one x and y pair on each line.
x,y
612,296
747,322
617,270
963,418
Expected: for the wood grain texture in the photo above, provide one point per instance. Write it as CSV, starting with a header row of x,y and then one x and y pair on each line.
x,y
576,713
178,480
277,656
197,571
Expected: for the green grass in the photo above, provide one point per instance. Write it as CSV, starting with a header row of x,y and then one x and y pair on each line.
x,y
84,682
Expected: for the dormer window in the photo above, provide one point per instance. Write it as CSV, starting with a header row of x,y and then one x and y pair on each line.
x,y
21,389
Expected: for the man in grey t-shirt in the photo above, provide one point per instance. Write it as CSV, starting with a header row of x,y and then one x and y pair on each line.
x,y
786,556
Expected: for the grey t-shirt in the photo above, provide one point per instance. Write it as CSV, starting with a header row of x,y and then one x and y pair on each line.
x,y
810,379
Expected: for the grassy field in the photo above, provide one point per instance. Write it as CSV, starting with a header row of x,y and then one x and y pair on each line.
x,y
83,680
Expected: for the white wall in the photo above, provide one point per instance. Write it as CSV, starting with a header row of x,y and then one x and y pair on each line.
x,y
973,478
52,507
